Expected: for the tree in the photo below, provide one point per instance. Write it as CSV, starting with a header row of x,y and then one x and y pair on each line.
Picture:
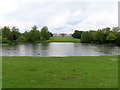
x,y
34,28
5,32
45,35
26,35
86,37
14,34
118,39
51,35
21,39
33,35
77,34
99,37
111,37
115,29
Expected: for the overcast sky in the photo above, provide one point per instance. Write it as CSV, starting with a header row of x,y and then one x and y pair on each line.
x,y
60,16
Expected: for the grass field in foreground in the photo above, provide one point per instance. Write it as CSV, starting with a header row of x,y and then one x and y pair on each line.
x,y
63,39
60,72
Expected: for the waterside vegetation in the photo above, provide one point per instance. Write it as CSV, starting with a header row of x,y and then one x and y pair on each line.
x,y
101,36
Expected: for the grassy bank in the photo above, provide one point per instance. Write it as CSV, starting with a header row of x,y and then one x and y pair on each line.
x,y
60,72
63,39
52,39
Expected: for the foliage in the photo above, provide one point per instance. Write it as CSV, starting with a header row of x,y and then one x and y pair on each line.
x,y
51,34
34,34
13,35
5,32
86,37
21,39
111,37
99,37
45,35
77,34
105,35
118,39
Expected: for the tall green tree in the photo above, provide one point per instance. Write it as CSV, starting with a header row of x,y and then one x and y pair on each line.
x,y
77,34
86,37
34,34
5,32
99,37
14,34
45,35
118,39
111,37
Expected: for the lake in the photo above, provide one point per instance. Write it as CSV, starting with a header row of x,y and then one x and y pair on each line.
x,y
59,49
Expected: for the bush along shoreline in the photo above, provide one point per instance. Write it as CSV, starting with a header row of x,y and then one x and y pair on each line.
x,y
101,36
13,36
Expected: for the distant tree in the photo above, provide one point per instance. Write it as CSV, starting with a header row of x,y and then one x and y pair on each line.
x,y
51,35
105,32
86,37
118,39
63,34
26,35
21,39
115,29
34,34
111,37
45,35
14,34
93,36
77,34
34,28
99,37
5,32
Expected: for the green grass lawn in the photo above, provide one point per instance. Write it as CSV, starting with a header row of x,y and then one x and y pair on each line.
x,y
60,72
63,39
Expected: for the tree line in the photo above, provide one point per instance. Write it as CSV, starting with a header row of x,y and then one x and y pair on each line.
x,y
12,35
104,35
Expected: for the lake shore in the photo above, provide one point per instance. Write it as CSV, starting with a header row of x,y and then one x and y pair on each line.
x,y
60,72
63,39
52,39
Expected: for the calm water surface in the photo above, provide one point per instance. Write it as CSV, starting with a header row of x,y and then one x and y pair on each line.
x,y
59,49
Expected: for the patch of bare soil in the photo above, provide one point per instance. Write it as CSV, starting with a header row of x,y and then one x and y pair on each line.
x,y
69,78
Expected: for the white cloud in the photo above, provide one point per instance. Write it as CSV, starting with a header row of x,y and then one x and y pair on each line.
x,y
59,15
58,19
106,17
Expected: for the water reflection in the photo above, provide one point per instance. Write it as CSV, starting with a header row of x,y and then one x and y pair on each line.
x,y
107,49
59,49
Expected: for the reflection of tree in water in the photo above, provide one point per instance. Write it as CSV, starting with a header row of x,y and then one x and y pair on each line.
x,y
44,46
44,49
35,49
61,49
106,48
39,49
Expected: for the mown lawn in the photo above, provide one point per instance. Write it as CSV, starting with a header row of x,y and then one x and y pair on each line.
x,y
63,39
60,72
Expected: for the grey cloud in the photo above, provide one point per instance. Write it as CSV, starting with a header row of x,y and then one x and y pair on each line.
x,y
42,13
